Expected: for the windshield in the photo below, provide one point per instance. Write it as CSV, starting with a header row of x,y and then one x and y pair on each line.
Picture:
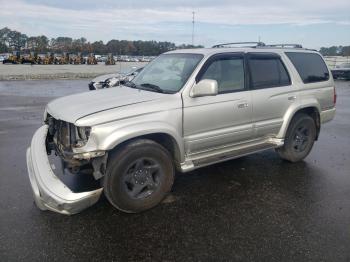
x,y
167,73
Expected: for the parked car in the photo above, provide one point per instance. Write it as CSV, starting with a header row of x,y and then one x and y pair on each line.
x,y
185,110
111,80
341,71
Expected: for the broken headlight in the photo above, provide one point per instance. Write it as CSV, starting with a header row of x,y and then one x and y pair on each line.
x,y
82,135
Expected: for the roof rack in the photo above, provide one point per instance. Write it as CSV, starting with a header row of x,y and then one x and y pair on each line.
x,y
285,45
256,44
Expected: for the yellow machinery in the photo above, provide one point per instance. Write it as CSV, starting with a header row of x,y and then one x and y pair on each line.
x,y
78,59
49,59
91,60
63,60
110,60
32,58
15,58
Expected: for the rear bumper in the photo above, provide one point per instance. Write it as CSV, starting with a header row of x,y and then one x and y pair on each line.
x,y
327,115
50,193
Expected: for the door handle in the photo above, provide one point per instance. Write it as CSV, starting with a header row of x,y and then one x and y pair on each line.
x,y
292,98
242,105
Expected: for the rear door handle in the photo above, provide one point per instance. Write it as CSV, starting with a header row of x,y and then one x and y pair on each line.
x,y
292,98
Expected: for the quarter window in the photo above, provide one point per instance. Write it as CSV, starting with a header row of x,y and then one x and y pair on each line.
x,y
310,66
228,71
267,71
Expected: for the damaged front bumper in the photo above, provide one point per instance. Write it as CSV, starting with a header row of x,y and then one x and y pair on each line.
x,y
50,193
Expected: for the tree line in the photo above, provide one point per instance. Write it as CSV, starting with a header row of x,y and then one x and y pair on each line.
x,y
335,51
11,40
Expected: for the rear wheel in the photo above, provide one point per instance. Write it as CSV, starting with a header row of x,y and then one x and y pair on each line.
x,y
299,139
138,176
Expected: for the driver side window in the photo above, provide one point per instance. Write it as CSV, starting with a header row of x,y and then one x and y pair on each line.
x,y
228,71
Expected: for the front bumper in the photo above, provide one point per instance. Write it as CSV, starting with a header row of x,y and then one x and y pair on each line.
x,y
50,193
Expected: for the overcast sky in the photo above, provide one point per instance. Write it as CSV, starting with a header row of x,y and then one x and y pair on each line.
x,y
313,23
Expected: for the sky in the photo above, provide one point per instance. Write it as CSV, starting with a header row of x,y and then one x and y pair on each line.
x,y
313,23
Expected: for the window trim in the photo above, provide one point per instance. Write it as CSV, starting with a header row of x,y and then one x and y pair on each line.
x,y
217,56
265,55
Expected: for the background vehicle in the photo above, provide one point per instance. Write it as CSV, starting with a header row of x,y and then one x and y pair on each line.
x,y
14,58
111,80
63,60
91,60
110,60
341,71
185,110
77,59
49,59
32,58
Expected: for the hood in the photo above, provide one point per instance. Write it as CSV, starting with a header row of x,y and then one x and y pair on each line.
x,y
103,78
71,108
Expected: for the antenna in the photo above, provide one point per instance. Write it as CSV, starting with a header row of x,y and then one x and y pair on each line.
x,y
193,28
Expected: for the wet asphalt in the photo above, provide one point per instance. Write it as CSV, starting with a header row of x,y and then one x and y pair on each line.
x,y
256,208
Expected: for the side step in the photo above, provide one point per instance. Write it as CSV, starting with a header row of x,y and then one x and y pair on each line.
x,y
200,161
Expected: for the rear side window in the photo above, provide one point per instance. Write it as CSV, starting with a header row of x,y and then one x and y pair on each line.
x,y
267,70
310,66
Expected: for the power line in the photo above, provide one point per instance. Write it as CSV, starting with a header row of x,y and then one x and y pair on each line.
x,y
193,28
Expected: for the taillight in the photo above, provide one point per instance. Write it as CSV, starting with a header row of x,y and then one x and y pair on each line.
x,y
334,96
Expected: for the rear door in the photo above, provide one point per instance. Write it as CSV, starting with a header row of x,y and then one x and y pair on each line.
x,y
272,92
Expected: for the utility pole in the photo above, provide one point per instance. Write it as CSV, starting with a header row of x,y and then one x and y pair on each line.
x,y
193,28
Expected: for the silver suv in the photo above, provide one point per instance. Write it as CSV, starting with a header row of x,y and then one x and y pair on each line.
x,y
185,110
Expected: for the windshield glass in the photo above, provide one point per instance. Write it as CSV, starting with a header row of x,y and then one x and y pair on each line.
x,y
168,72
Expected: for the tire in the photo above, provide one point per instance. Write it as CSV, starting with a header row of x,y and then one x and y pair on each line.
x,y
138,176
300,137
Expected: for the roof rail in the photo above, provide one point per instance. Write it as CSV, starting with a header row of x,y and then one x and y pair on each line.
x,y
285,45
239,43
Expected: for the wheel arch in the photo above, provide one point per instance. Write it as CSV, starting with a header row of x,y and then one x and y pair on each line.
x,y
313,110
167,137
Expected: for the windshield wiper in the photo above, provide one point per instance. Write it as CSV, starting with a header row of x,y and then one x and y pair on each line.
x,y
152,87
145,86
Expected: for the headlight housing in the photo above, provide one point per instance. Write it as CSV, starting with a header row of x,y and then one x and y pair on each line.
x,y
82,135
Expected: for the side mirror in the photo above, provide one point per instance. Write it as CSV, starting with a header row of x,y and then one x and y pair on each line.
x,y
205,87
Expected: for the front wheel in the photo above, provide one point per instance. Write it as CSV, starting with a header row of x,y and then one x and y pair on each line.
x,y
138,176
299,139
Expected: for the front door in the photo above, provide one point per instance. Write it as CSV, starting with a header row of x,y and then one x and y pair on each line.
x,y
223,120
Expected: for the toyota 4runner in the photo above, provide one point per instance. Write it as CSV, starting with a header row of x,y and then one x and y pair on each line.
x,y
186,109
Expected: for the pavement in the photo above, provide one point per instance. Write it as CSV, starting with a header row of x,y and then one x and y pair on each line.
x,y
45,72
255,208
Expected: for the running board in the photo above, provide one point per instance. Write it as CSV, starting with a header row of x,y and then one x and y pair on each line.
x,y
196,162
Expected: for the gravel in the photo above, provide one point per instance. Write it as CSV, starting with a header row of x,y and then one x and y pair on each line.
x,y
45,72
